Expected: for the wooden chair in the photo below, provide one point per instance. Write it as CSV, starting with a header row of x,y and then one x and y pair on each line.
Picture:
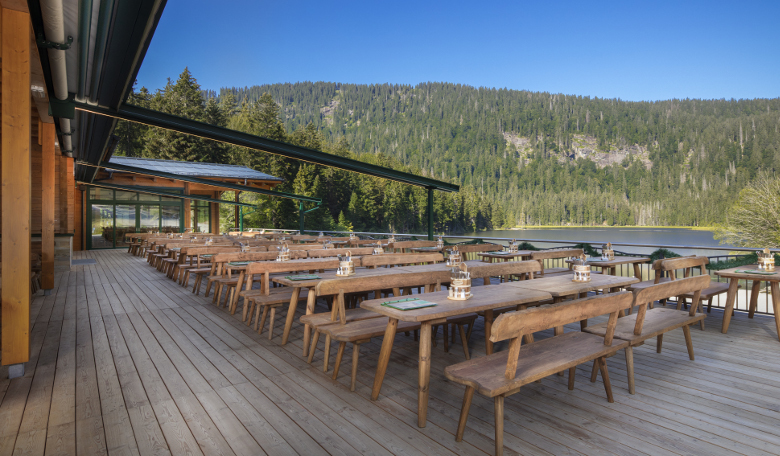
x,y
502,374
647,323
543,255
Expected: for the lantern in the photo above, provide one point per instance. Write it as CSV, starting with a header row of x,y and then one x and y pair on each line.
x,y
607,253
454,257
378,250
284,253
346,265
460,284
766,260
439,243
581,270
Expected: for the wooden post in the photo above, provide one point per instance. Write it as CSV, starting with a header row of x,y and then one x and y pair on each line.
x,y
16,136
47,207
235,210
187,208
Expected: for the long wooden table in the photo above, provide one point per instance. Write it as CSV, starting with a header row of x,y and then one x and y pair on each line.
x,y
485,298
610,266
490,257
734,278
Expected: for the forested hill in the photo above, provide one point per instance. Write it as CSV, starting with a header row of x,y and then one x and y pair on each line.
x,y
522,158
552,158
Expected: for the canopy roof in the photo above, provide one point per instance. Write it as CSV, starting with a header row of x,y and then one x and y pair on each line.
x,y
196,169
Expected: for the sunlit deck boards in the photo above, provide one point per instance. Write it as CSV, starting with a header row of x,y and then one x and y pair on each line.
x,y
126,361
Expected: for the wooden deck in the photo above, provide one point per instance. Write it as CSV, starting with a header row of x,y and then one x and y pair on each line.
x,y
125,361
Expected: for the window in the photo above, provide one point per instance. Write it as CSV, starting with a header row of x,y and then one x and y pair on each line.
x,y
201,216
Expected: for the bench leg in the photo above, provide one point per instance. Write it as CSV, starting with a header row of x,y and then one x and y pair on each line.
x,y
339,356
701,310
498,409
605,378
271,323
313,347
488,328
709,305
660,339
464,413
630,369
688,341
572,370
326,359
465,341
446,330
262,319
355,355
594,372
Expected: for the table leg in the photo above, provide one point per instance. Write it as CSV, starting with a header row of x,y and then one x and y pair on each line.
x,y
754,298
775,288
424,376
731,298
384,356
311,301
638,271
291,314
488,326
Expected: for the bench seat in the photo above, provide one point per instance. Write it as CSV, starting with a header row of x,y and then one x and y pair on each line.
x,y
537,360
657,321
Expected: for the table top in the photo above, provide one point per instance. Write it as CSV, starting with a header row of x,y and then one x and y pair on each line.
x,y
732,273
485,298
329,275
562,285
618,260
519,253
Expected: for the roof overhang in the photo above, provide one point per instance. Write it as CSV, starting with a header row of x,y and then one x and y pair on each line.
x,y
130,188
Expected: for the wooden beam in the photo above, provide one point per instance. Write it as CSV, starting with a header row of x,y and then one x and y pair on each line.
x,y
47,206
187,208
15,151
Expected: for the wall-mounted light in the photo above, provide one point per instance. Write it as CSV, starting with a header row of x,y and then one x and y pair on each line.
x,y
38,91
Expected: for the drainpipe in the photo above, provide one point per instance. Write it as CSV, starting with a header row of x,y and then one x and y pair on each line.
x,y
301,213
104,18
54,31
85,26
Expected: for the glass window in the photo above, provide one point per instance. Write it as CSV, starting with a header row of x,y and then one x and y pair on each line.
x,y
126,196
170,218
201,216
150,218
125,222
148,197
102,226
97,193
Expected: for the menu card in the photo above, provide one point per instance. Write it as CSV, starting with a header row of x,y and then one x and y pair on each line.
x,y
408,304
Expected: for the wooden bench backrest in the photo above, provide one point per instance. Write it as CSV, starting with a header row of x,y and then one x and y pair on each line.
x,y
363,241
513,325
487,270
238,256
671,265
210,250
357,283
323,253
553,254
285,266
304,246
666,290
412,244
393,259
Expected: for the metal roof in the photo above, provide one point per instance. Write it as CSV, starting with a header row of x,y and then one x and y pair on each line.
x,y
199,169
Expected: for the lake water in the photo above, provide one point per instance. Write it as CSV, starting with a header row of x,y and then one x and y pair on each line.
x,y
602,235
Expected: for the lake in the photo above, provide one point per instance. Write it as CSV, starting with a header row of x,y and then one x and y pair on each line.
x,y
602,235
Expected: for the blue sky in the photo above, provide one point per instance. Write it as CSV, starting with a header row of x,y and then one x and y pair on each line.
x,y
651,50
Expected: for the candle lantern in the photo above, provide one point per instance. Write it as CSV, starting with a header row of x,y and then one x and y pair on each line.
x,y
378,250
244,247
353,237
454,257
346,265
209,241
284,253
439,243
391,239
581,270
327,244
766,260
321,234
460,283
512,247
607,253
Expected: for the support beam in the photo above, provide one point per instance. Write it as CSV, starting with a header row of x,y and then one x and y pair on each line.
x,y
16,167
300,216
235,210
430,214
187,208
47,206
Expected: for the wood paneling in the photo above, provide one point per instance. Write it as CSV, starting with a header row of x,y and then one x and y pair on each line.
x,y
16,131
47,206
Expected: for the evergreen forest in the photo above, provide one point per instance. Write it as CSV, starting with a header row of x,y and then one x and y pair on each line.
x,y
521,158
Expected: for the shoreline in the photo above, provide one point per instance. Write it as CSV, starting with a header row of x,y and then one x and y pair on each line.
x,y
537,227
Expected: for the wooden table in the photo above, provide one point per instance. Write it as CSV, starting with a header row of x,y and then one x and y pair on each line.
x,y
485,299
562,286
731,297
610,266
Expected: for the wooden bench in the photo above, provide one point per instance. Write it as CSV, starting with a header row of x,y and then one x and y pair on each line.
x,y
339,326
325,253
469,251
229,281
199,266
406,246
543,255
647,323
502,374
